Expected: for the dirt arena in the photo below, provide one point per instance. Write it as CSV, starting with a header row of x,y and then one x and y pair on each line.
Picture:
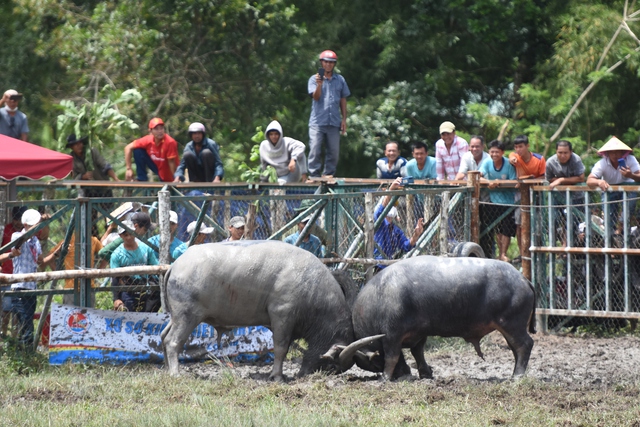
x,y
566,360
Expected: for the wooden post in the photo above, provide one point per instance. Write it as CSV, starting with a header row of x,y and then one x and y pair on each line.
x,y
368,232
473,180
444,224
83,242
278,208
411,217
164,207
525,229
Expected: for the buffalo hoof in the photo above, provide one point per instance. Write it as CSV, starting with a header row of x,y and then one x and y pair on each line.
x,y
278,378
426,373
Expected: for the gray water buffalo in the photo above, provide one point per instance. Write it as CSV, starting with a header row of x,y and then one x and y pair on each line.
x,y
448,297
267,283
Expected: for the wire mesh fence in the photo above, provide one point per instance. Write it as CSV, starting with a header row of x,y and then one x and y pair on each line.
x,y
585,245
586,256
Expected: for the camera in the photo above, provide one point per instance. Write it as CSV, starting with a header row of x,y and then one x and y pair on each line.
x,y
321,72
406,180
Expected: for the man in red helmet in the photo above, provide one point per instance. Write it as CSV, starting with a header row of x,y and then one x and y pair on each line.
x,y
328,119
156,151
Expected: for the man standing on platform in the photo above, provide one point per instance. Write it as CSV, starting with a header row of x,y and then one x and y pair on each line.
x,y
328,119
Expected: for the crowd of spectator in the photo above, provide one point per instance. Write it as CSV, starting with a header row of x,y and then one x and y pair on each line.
x,y
157,154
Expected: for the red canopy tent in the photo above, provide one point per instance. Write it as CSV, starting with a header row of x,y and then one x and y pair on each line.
x,y
23,159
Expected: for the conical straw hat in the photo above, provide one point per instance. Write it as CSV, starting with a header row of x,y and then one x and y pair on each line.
x,y
614,144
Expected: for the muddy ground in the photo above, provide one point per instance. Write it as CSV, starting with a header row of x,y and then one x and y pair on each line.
x,y
556,359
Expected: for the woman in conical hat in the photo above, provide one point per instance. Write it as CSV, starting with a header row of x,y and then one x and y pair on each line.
x,y
617,166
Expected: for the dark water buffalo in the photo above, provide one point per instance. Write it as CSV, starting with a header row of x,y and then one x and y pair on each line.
x,y
448,297
267,283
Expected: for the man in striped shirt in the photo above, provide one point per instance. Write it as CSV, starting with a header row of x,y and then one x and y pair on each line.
x,y
449,150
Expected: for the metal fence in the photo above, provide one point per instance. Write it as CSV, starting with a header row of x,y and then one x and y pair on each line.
x,y
586,252
344,216
580,263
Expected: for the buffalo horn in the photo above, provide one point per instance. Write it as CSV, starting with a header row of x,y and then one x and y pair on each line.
x,y
333,352
346,355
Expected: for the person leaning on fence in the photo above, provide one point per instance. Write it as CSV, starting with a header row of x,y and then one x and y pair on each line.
x,y
201,237
173,227
389,237
134,253
565,168
449,150
284,154
26,259
472,159
392,165
141,225
528,165
157,152
499,168
201,158
421,166
310,243
618,166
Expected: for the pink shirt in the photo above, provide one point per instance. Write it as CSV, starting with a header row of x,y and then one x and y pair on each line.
x,y
448,161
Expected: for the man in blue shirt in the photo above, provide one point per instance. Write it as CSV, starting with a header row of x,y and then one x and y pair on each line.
x,y
310,243
201,157
389,237
173,227
500,169
328,119
421,166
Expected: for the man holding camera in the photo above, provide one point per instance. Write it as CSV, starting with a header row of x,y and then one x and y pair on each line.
x,y
13,122
328,118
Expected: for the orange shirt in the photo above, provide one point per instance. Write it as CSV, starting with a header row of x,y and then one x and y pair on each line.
x,y
160,154
536,165
70,259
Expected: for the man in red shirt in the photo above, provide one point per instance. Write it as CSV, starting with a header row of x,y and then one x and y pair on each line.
x,y
156,151
528,165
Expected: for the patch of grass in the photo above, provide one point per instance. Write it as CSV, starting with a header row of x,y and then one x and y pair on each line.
x,y
144,395
16,360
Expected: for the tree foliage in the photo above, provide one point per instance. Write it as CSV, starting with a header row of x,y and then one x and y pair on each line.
x,y
410,64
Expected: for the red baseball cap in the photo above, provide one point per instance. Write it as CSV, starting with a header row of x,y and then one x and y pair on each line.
x,y
156,121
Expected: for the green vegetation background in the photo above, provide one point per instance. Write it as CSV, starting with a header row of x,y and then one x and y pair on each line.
x,y
107,67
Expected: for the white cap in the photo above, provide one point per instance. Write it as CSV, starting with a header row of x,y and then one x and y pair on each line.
x,y
173,217
447,127
128,223
31,217
196,127
393,212
203,229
